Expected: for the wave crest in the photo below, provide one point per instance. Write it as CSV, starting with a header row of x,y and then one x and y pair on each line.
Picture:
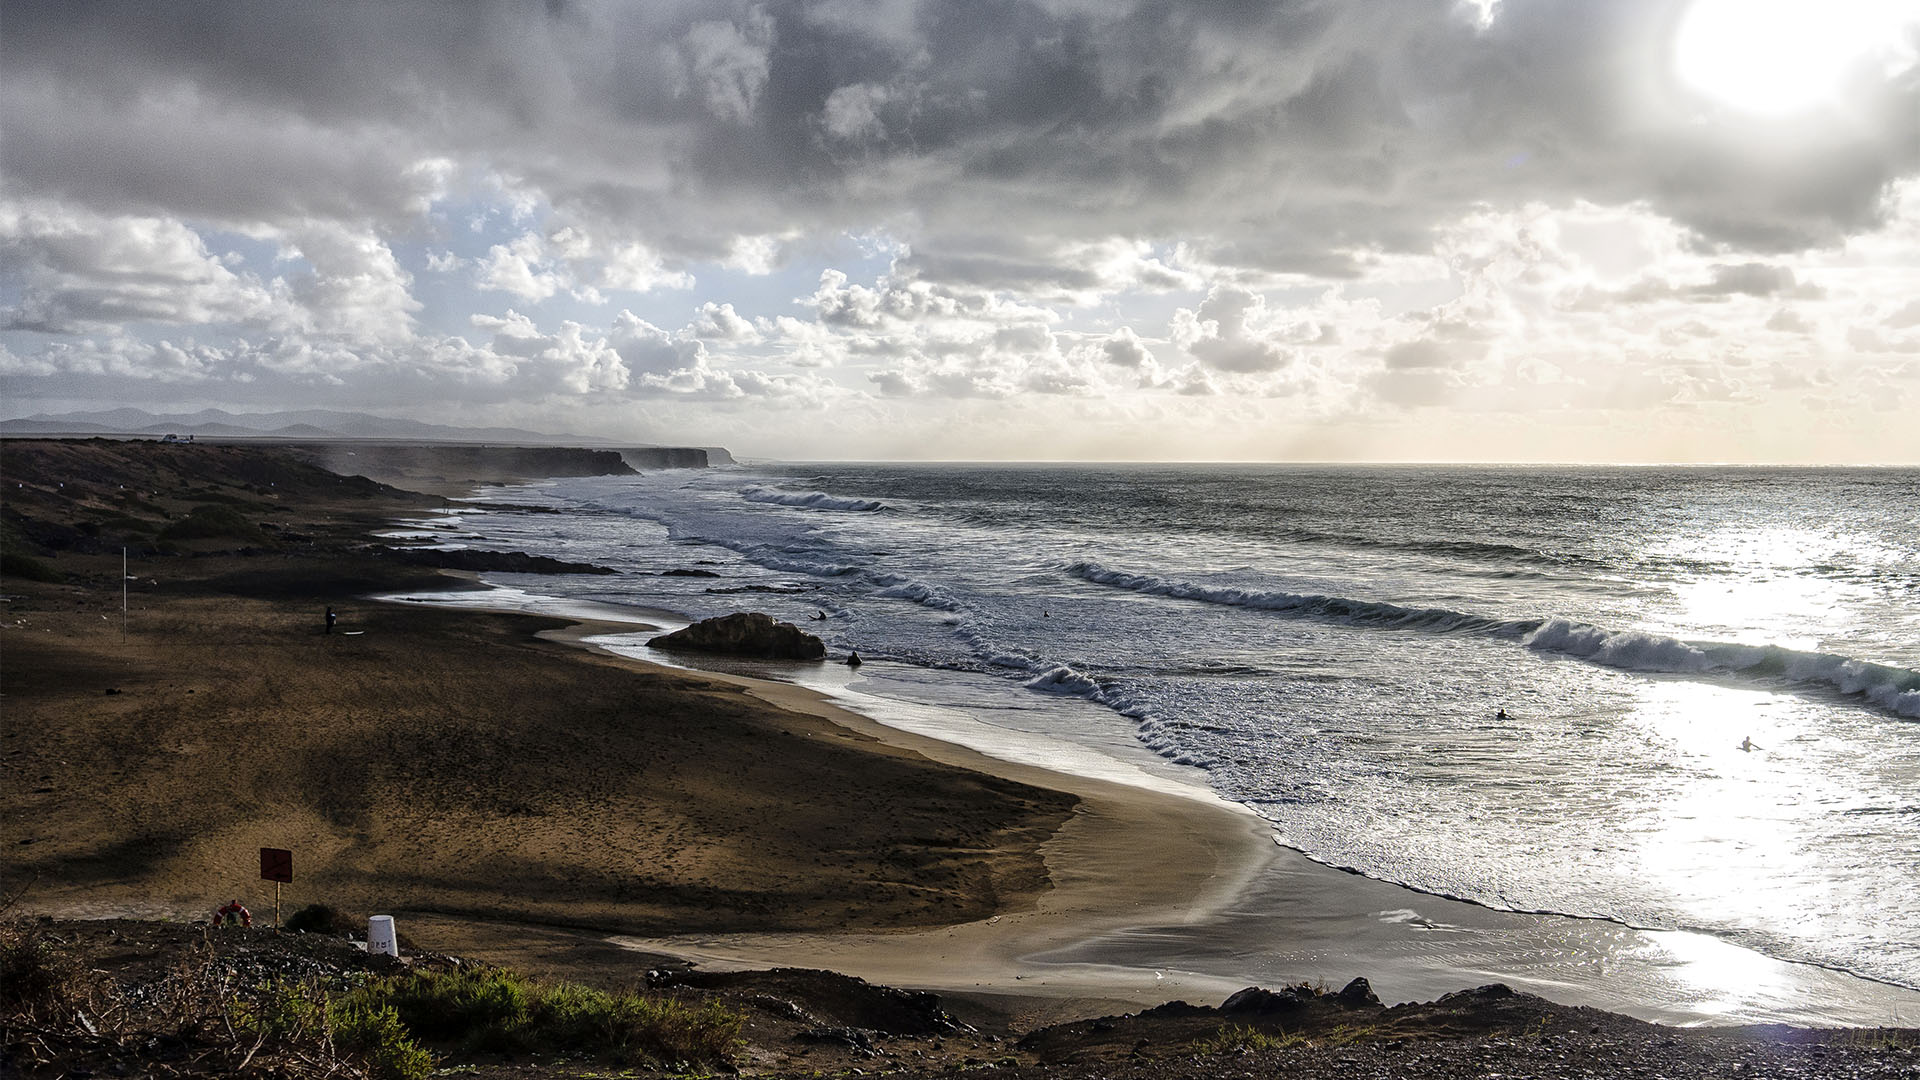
x,y
1894,689
811,500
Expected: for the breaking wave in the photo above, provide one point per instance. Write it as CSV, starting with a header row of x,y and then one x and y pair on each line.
x,y
1894,689
812,500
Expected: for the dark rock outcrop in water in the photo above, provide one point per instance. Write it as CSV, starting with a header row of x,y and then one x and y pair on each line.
x,y
507,562
747,633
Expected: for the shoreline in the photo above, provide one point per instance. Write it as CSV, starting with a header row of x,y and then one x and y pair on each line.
x,y
1124,923
515,785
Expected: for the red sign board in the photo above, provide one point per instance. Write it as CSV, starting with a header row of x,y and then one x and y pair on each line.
x,y
276,864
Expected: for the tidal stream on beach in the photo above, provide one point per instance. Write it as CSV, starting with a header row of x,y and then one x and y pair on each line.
x,y
1680,699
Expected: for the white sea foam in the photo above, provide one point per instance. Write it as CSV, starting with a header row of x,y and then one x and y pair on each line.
x,y
812,500
1630,650
1061,679
917,591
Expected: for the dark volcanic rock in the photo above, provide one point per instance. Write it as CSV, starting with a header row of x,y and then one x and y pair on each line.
x,y
851,1004
1479,995
1260,1001
681,571
748,633
1359,992
510,562
850,1037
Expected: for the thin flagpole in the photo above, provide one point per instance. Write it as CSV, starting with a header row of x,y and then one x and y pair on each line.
x,y
123,592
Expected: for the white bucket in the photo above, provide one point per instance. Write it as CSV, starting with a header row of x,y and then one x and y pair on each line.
x,y
380,937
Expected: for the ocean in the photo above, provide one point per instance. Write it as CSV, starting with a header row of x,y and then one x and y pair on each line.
x,y
1677,698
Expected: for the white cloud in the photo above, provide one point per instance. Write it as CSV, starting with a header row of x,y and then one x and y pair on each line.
x,y
1231,331
636,267
81,271
720,322
354,288
521,268
751,254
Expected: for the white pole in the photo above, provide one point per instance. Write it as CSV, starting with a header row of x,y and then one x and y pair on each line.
x,y
123,592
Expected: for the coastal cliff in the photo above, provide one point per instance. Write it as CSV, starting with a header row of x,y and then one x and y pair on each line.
x,y
668,457
445,463
445,467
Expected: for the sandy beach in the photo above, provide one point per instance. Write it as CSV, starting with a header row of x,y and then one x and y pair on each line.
x,y
433,760
1162,891
519,794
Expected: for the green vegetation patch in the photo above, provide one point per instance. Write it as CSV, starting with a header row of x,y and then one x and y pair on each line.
x,y
493,1010
387,1022
296,1015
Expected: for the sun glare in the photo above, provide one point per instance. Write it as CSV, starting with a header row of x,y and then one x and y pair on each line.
x,y
1777,57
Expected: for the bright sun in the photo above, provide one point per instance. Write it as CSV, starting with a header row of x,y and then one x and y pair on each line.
x,y
1775,57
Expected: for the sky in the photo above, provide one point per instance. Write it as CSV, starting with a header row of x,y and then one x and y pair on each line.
x,y
1391,230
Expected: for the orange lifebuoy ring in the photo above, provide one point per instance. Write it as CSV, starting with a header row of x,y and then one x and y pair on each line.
x,y
232,912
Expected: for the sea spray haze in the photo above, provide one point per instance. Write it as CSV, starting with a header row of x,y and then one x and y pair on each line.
x,y
1336,648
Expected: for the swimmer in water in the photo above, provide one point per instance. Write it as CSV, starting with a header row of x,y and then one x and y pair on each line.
x,y
1502,715
1747,744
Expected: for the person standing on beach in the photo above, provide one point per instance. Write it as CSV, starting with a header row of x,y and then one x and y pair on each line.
x,y
330,619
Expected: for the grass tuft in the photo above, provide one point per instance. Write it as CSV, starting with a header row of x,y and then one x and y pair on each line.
x,y
1238,1038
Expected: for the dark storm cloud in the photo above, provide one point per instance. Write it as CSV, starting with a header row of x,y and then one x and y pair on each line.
x,y
1289,136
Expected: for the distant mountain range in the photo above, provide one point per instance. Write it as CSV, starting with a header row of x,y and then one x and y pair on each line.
x,y
301,424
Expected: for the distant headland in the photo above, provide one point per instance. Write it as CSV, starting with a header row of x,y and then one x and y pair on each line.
x,y
407,452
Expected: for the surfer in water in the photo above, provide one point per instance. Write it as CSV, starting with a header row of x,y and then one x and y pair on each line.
x,y
1748,745
1502,715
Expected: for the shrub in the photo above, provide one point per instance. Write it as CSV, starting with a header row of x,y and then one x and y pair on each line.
x,y
500,1011
376,1035
290,1015
321,919
283,1012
